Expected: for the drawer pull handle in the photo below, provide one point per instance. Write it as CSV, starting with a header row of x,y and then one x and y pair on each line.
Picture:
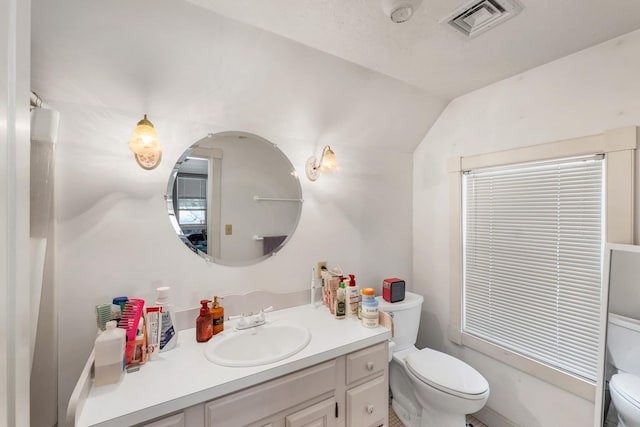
x,y
370,366
370,409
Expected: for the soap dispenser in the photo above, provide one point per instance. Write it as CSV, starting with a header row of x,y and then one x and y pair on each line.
x,y
217,315
204,324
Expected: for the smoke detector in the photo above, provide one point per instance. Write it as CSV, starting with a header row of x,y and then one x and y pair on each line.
x,y
477,16
400,10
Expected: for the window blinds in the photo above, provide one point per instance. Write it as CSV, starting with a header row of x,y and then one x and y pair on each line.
x,y
532,260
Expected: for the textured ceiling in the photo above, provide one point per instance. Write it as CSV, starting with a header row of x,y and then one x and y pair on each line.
x,y
430,55
223,62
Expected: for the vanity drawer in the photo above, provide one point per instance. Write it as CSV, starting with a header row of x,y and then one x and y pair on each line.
x,y
256,403
367,404
367,362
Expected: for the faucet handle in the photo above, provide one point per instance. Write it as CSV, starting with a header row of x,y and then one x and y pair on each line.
x,y
260,316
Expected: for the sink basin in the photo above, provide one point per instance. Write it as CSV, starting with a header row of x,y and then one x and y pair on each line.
x,y
257,346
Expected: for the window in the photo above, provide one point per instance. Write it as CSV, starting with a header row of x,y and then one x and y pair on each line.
x,y
532,292
532,252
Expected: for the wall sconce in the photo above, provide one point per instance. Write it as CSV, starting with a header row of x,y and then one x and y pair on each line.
x,y
327,163
145,146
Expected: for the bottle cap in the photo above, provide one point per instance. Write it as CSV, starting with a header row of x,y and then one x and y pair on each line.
x,y
342,285
121,301
368,291
352,280
111,324
216,304
204,310
163,294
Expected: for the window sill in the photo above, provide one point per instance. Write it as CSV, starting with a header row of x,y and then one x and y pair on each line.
x,y
563,380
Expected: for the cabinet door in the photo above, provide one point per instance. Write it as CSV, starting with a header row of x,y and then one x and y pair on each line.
x,y
172,421
367,404
321,414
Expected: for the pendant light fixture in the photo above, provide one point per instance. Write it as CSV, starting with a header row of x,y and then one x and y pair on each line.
x,y
145,146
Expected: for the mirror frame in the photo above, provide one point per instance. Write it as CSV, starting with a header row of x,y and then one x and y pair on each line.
x,y
609,248
172,215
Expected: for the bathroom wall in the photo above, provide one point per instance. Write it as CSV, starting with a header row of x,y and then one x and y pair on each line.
x,y
113,236
583,94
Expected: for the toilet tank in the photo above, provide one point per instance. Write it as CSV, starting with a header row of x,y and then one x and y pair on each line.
x,y
623,343
406,318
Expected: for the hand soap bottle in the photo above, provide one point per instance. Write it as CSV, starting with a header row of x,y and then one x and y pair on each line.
x,y
217,315
204,323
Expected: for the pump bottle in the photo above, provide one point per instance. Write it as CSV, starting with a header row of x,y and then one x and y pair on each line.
x,y
217,315
204,324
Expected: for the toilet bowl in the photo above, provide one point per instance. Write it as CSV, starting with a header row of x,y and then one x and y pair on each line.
x,y
623,349
428,387
625,395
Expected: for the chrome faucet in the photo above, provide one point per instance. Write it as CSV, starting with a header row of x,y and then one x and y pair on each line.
x,y
251,320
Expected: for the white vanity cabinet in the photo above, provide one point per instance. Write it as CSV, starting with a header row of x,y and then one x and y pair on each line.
x,y
351,390
176,420
367,380
270,403
339,379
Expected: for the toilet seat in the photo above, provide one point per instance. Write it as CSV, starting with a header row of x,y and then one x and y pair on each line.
x,y
447,374
627,386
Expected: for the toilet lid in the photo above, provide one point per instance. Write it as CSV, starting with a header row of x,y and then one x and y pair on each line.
x,y
628,386
447,374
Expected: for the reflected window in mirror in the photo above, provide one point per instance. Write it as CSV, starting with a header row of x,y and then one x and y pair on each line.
x,y
190,202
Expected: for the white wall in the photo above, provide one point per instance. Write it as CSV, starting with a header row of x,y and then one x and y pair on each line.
x,y
113,236
583,94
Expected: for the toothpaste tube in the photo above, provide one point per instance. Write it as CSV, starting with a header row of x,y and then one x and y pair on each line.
x,y
154,327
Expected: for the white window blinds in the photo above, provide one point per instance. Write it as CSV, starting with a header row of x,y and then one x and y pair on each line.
x,y
532,260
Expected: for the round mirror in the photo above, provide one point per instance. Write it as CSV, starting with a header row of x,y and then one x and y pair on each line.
x,y
234,198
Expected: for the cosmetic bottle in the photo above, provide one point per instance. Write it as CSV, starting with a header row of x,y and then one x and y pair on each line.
x,y
341,302
217,315
204,324
353,297
109,355
369,308
168,332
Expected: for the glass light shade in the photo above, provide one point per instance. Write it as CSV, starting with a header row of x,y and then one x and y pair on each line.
x,y
328,162
145,145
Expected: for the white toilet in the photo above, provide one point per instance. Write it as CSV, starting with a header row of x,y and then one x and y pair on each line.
x,y
623,347
429,388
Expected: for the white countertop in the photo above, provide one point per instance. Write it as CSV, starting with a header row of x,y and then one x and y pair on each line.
x,y
183,377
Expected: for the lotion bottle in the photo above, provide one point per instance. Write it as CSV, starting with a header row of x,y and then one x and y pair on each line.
x,y
353,297
168,333
204,324
217,315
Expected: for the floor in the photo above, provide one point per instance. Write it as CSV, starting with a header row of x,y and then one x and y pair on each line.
x,y
394,421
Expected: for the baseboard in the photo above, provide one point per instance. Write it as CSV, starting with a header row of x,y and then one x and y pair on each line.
x,y
492,418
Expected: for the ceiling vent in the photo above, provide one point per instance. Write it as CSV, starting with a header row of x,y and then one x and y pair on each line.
x,y
477,16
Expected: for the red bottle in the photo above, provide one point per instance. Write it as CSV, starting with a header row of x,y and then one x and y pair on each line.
x,y
204,326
